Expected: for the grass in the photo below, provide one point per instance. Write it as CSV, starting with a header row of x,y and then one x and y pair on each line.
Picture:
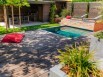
x,y
27,28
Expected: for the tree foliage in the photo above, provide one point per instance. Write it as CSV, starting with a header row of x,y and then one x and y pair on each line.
x,y
3,2
65,12
17,2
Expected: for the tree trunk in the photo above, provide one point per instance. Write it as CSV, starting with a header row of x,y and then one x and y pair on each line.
x,y
12,9
5,17
19,16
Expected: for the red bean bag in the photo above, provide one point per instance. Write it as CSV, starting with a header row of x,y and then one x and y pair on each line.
x,y
13,38
68,17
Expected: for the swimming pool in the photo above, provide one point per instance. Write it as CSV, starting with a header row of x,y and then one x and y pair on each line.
x,y
69,32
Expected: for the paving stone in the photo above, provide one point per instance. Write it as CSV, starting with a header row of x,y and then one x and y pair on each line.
x,y
33,57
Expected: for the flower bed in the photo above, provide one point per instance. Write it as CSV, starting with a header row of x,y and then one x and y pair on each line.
x,y
76,61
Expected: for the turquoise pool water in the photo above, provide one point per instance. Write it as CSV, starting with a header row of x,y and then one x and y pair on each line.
x,y
69,32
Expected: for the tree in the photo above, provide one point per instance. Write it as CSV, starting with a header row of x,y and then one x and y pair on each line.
x,y
4,4
21,3
17,3
11,3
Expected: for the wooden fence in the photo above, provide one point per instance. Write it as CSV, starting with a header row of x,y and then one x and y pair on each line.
x,y
79,8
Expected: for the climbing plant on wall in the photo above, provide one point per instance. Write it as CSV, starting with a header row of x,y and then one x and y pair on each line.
x,y
52,12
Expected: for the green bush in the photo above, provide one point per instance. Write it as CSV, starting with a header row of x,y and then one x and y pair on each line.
x,y
79,62
4,31
52,12
56,16
65,12
27,28
99,35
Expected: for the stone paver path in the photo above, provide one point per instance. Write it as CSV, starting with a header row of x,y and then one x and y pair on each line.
x,y
33,57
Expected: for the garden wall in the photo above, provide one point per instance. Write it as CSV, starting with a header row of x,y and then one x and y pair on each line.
x,y
80,8
69,6
94,9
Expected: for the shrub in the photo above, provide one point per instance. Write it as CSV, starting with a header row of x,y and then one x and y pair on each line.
x,y
65,12
56,16
99,35
52,12
27,28
78,62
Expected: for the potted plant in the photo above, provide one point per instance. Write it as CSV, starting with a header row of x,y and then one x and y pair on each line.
x,y
75,62
57,19
64,13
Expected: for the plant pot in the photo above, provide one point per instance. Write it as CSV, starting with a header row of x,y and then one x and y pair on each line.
x,y
57,72
57,20
98,26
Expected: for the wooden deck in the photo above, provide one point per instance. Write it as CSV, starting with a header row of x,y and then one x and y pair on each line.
x,y
78,23
83,24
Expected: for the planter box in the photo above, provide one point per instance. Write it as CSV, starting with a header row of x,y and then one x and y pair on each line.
x,y
56,72
98,26
96,46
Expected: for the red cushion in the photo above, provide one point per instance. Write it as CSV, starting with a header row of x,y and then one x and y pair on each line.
x,y
13,38
68,17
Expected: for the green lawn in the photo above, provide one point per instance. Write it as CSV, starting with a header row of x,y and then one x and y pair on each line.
x,y
27,28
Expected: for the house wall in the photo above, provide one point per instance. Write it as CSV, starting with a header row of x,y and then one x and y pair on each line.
x,y
46,10
40,12
69,7
79,9
94,9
